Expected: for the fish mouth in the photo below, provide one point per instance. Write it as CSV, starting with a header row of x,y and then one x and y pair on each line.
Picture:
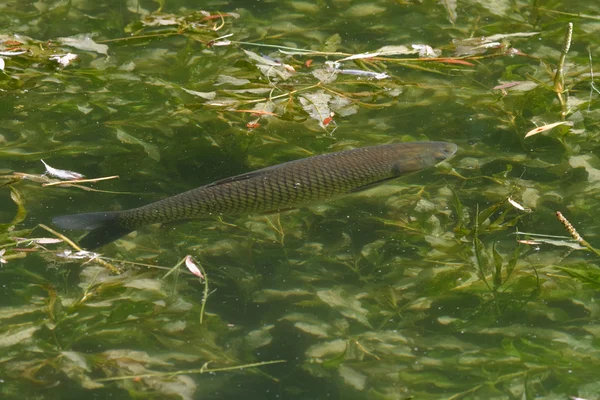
x,y
450,150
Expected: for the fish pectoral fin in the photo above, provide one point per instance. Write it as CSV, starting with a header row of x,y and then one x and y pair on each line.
x,y
371,185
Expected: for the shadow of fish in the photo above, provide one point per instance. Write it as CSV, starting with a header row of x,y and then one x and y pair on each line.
x,y
280,187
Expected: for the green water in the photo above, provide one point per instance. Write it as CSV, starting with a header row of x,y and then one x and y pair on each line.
x,y
417,289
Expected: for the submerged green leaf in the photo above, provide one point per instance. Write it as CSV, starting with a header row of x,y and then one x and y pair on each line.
x,y
327,349
150,149
21,335
346,304
353,377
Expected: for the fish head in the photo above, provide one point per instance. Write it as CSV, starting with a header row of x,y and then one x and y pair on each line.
x,y
441,151
416,156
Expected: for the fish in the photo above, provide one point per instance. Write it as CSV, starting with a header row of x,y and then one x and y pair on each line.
x,y
268,190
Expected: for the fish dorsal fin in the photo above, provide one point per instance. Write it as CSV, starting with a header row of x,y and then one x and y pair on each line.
x,y
371,185
237,178
251,174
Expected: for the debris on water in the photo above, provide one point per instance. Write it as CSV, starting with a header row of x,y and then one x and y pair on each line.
x,y
334,67
539,129
426,51
64,59
360,72
78,255
517,205
192,267
61,173
30,241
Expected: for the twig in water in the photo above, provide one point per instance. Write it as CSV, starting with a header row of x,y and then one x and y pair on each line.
x,y
71,182
198,270
71,243
61,236
202,370
559,77
593,87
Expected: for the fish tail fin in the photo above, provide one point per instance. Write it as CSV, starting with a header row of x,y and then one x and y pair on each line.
x,y
104,227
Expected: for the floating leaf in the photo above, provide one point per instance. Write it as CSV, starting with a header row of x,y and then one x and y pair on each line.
x,y
384,51
540,129
270,67
316,105
85,43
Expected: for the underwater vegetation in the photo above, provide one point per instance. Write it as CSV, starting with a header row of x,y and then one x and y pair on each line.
x,y
477,278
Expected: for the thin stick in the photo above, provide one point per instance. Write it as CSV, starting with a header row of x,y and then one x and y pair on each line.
x,y
308,52
592,86
205,294
105,178
204,276
272,98
61,236
174,268
202,370
140,37
559,77
71,243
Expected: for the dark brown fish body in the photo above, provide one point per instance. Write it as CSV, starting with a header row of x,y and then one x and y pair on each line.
x,y
283,186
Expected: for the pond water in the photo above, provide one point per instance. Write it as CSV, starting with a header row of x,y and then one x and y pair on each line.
x,y
454,282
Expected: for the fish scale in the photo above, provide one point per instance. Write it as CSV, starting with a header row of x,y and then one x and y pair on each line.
x,y
271,189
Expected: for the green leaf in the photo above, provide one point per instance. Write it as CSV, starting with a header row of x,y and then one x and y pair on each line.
x,y
327,349
344,303
352,377
20,335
